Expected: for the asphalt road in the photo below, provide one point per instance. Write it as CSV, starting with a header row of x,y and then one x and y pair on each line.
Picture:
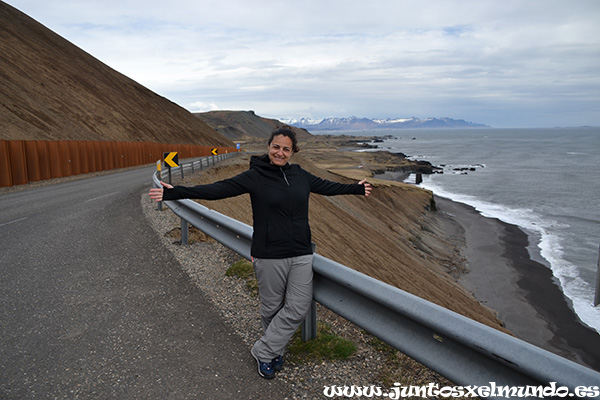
x,y
93,307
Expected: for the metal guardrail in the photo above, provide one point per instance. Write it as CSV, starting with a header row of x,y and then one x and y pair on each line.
x,y
464,351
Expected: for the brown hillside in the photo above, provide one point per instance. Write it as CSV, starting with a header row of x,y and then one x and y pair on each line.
x,y
392,236
243,125
50,90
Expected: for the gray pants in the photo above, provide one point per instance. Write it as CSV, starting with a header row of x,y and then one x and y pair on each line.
x,y
285,287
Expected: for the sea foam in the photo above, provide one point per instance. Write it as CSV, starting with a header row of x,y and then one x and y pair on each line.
x,y
548,243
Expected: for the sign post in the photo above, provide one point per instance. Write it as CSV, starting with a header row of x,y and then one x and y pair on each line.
x,y
171,160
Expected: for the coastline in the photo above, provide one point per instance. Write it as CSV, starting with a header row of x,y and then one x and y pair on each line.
x,y
502,275
522,291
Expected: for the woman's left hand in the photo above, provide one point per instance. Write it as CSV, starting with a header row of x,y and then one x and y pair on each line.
x,y
367,187
157,193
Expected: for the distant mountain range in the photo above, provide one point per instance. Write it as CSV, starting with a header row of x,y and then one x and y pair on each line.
x,y
355,123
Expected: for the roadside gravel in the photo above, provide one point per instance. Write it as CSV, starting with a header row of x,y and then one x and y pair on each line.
x,y
206,262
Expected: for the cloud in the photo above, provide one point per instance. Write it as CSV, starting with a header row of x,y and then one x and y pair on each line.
x,y
484,60
200,106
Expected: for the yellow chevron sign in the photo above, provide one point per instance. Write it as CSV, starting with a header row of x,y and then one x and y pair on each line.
x,y
171,159
214,152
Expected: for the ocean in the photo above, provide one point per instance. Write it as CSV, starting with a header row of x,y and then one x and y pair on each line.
x,y
543,180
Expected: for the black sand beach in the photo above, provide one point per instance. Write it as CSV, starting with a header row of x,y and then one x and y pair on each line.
x,y
523,292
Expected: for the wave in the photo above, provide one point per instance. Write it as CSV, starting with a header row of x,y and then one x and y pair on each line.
x,y
548,242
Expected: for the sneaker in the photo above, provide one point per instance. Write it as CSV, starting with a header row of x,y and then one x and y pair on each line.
x,y
277,363
265,369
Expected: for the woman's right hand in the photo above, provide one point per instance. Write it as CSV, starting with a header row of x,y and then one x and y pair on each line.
x,y
157,193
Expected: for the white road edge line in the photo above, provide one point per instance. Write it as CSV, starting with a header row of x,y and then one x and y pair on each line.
x,y
100,197
12,222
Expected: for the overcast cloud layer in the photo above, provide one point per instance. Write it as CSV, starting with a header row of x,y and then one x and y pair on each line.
x,y
510,63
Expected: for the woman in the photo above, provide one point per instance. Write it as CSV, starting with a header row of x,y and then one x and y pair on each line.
x,y
281,242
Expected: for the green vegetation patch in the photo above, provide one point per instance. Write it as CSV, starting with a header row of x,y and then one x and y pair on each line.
x,y
327,346
243,269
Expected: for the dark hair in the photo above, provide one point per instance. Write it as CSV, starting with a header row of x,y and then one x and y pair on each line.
x,y
286,131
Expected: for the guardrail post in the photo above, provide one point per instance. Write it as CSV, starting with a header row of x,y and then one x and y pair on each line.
x,y
159,203
597,298
309,325
184,232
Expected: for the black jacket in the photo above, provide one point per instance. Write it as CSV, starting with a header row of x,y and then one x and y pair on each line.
x,y
279,198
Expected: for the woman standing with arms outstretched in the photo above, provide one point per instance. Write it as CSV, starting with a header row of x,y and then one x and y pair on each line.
x,y
281,242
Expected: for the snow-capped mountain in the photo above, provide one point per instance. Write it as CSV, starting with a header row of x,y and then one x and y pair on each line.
x,y
355,123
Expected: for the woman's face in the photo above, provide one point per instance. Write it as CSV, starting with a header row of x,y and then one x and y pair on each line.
x,y
280,150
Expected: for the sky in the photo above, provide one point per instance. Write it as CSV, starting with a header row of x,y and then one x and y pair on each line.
x,y
509,63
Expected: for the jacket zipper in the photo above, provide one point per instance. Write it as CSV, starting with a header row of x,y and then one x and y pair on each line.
x,y
284,176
